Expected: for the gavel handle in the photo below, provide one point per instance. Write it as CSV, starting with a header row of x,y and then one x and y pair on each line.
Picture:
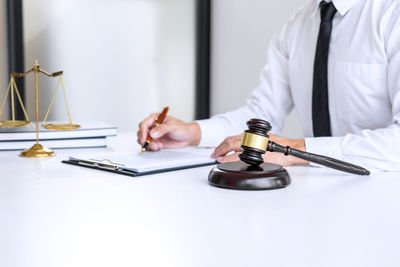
x,y
322,160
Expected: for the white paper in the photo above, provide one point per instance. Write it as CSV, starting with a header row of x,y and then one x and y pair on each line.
x,y
151,161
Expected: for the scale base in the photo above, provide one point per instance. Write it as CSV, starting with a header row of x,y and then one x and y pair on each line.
x,y
239,175
37,151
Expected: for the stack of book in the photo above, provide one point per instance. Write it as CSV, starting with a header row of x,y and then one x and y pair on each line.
x,y
89,135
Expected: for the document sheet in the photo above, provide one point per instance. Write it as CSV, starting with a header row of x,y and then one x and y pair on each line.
x,y
150,161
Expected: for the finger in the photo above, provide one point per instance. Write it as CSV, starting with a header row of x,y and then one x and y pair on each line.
x,y
275,138
162,130
154,146
228,145
278,139
168,119
223,148
229,158
145,126
220,150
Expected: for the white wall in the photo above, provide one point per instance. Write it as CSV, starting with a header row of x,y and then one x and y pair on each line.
x,y
121,59
240,36
3,56
176,51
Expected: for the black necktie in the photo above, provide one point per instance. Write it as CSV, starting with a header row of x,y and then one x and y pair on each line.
x,y
320,107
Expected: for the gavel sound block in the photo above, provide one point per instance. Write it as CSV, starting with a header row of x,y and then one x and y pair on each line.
x,y
252,174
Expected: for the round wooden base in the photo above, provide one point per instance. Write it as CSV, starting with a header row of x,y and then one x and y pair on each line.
x,y
239,175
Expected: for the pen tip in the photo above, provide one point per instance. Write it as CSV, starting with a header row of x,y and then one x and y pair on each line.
x,y
141,151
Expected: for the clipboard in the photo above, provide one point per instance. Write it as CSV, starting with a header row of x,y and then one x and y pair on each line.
x,y
109,164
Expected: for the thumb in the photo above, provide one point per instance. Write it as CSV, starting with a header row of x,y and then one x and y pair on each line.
x,y
161,130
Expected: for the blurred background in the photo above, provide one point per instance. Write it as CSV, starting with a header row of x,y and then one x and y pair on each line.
x,y
125,59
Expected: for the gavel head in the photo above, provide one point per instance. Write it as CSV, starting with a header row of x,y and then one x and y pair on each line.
x,y
255,141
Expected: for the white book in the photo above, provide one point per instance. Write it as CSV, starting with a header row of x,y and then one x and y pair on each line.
x,y
148,162
56,143
29,132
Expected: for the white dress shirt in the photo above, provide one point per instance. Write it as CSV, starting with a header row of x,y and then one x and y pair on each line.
x,y
363,84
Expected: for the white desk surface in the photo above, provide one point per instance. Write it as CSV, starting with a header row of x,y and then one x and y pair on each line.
x,y
56,215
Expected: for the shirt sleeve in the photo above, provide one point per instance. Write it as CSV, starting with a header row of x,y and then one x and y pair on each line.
x,y
379,148
270,101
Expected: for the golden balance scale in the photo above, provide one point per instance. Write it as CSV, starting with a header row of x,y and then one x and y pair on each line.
x,y
37,150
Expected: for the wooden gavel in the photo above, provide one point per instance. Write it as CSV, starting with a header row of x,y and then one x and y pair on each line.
x,y
255,142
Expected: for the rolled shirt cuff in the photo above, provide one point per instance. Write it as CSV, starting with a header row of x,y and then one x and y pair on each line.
x,y
325,146
212,133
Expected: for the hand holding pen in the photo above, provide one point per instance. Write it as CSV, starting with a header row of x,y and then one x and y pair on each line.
x,y
159,120
171,133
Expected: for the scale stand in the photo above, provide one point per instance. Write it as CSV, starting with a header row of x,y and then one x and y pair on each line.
x,y
37,150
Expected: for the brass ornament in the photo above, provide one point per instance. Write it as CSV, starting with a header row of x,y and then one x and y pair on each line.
x,y
61,127
37,150
12,87
255,141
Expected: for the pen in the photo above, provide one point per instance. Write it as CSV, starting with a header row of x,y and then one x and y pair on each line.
x,y
159,120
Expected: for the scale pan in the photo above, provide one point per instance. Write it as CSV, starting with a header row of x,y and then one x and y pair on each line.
x,y
60,127
13,123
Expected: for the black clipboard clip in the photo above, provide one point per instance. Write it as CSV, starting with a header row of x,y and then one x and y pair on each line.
x,y
98,164
101,164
